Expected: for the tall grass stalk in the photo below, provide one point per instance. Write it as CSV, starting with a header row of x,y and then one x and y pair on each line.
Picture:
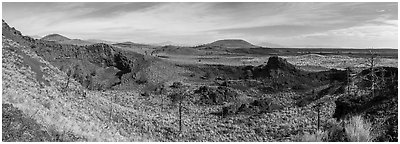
x,y
358,130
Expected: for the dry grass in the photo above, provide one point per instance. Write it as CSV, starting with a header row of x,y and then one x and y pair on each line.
x,y
358,130
316,137
67,112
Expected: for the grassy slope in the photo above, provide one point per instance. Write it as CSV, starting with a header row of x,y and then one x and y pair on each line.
x,y
18,126
161,120
73,111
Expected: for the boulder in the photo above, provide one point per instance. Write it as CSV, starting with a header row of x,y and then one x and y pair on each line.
x,y
215,95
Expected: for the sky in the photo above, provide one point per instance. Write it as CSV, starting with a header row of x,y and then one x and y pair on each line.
x,y
291,24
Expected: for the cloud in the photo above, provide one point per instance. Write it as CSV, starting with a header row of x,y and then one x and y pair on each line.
x,y
109,10
285,23
358,36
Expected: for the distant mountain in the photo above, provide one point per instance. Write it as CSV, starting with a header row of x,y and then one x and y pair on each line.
x,y
131,44
231,43
235,46
65,40
125,43
164,43
99,41
271,45
170,43
314,46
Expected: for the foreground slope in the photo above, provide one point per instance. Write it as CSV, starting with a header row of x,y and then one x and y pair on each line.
x,y
36,91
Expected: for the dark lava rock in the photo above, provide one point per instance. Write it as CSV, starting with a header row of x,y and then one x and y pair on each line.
x,y
216,96
380,108
276,62
145,94
275,67
355,104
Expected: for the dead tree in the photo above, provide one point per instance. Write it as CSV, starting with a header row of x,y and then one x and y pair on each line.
x,y
372,66
348,80
180,115
69,74
179,96
111,105
351,90
318,108
371,61
181,108
70,71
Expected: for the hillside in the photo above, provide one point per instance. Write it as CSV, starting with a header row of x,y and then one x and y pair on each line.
x,y
96,67
36,97
43,103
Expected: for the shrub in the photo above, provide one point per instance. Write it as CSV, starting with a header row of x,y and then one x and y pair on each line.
x,y
319,136
355,130
175,97
336,133
358,130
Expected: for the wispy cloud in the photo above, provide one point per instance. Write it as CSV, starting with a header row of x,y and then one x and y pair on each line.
x,y
284,23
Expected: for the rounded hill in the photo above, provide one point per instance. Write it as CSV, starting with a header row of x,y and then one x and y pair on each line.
x,y
231,43
55,37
